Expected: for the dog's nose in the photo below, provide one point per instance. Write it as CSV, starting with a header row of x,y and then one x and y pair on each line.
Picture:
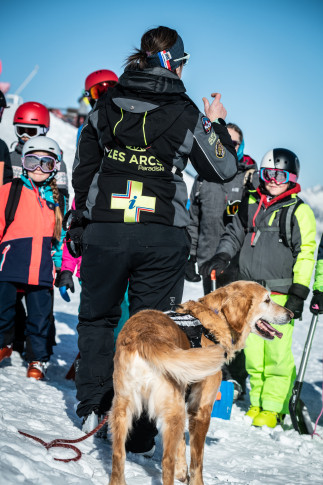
x,y
290,313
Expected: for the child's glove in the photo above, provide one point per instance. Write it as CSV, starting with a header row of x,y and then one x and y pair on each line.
x,y
65,282
219,263
316,305
297,295
190,272
296,305
74,224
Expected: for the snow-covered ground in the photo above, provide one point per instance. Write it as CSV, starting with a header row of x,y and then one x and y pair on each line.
x,y
235,452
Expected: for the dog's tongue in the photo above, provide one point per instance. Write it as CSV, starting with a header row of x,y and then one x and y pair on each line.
x,y
272,329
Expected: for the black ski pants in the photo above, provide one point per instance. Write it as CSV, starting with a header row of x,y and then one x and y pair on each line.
x,y
152,258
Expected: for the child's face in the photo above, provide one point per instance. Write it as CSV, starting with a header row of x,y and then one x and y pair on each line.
x,y
37,175
275,189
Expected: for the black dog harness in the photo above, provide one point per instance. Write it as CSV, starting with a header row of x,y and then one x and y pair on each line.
x,y
192,327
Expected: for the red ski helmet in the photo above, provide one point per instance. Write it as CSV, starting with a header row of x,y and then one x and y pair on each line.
x,y
32,113
98,77
98,82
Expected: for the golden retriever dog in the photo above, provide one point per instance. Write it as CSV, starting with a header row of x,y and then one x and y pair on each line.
x,y
154,365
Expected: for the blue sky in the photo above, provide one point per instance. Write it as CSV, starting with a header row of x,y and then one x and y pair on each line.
x,y
264,57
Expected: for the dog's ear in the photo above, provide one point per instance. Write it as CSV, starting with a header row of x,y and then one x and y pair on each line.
x,y
235,311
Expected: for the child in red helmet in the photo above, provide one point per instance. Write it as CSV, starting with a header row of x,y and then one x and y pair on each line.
x,y
98,82
33,119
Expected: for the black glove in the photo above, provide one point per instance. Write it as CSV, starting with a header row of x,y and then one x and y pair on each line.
x,y
316,305
73,218
296,305
297,295
74,241
219,263
74,223
65,278
190,272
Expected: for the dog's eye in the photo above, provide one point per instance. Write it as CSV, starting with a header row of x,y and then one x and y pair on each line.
x,y
268,300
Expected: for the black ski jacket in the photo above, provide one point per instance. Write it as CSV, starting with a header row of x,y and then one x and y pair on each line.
x,y
135,144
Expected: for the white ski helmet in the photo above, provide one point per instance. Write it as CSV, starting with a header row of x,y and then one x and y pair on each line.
x,y
42,144
282,159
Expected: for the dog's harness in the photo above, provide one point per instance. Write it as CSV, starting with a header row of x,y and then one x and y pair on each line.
x,y
192,327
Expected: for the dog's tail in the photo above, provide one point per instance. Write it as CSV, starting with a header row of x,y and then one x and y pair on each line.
x,y
186,366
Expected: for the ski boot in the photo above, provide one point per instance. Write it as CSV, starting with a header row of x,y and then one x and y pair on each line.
x,y
253,411
37,370
91,421
268,418
5,352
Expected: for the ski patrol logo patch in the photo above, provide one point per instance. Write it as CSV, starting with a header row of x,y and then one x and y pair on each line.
x,y
207,125
219,149
133,202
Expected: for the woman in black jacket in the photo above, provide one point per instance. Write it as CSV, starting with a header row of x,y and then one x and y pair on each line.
x,y
129,188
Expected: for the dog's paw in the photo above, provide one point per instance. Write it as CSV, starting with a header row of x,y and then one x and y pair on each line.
x,y
182,476
187,307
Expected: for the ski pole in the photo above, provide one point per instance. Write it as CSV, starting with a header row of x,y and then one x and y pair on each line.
x,y
298,412
213,280
307,348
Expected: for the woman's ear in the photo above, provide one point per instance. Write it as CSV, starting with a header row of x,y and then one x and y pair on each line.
x,y
179,71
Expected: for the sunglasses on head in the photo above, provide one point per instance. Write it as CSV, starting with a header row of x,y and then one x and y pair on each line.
x,y
184,59
96,91
30,130
46,163
277,175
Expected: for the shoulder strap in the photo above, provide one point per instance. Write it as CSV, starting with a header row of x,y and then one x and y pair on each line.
x,y
12,202
286,223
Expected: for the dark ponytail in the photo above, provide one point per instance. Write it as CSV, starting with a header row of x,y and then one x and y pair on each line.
x,y
153,41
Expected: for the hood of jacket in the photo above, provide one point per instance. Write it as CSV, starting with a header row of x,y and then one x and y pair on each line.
x,y
144,105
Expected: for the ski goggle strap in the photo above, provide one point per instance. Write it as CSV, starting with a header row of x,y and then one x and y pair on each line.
x,y
47,164
30,130
96,91
279,176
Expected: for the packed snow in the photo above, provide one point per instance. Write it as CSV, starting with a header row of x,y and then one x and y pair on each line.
x,y
235,452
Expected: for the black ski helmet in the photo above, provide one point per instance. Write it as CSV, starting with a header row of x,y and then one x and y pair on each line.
x,y
282,159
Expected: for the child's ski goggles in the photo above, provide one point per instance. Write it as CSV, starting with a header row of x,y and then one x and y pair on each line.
x,y
277,175
30,130
46,163
96,91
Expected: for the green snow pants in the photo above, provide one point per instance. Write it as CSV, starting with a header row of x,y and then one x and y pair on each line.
x,y
271,366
